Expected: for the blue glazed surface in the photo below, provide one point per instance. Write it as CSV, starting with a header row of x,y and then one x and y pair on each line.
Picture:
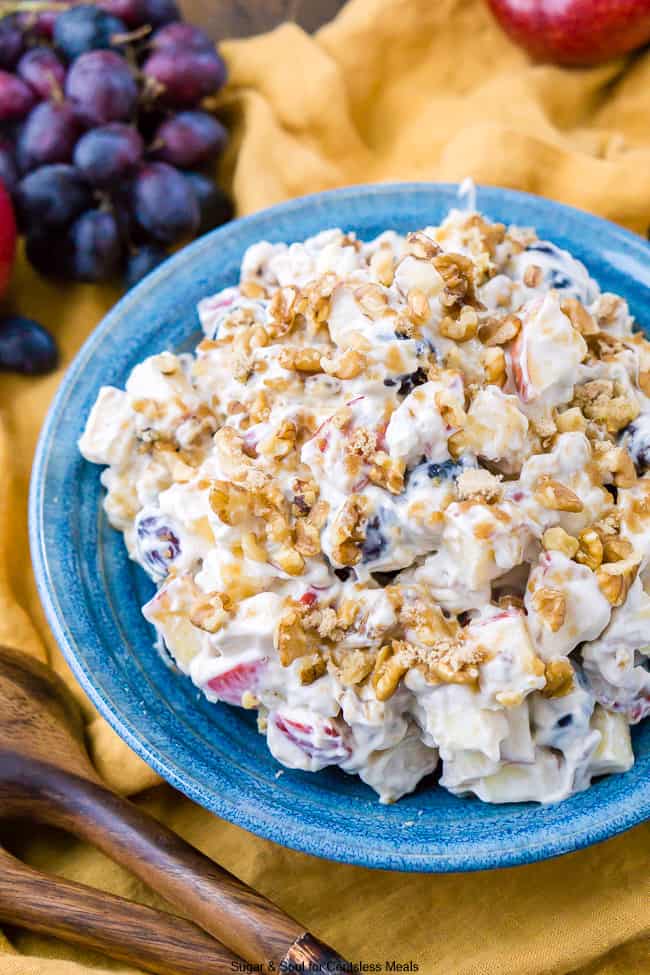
x,y
92,593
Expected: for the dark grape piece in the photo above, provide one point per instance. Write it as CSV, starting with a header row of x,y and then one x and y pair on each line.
x,y
343,574
42,70
96,246
449,469
85,28
50,198
181,77
16,98
215,206
635,438
132,12
48,136
109,154
181,36
11,42
161,12
189,139
375,541
142,262
164,203
102,88
157,544
25,346
408,383
8,167
385,578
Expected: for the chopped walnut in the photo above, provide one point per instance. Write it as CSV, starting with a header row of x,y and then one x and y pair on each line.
x,y
420,246
579,316
460,329
354,667
571,421
615,579
211,612
418,306
559,678
479,483
387,472
494,366
556,496
348,530
600,401
300,359
616,549
311,668
345,365
557,540
457,273
372,300
533,276
292,640
388,671
590,549
499,331
382,265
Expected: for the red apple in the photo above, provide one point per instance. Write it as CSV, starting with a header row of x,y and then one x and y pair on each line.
x,y
577,32
7,238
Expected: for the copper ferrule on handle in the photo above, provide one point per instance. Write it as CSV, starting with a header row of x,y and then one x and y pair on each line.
x,y
308,954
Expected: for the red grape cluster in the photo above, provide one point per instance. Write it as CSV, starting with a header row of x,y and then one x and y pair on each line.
x,y
103,138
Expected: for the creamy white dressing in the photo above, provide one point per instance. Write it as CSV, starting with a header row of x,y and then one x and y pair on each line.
x,y
395,390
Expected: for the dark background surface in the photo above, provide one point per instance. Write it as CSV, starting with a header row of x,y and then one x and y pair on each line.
x,y
239,18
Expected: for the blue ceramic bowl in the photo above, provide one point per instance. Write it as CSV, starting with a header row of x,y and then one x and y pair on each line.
x,y
93,593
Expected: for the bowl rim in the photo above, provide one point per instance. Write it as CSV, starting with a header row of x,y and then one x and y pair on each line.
x,y
294,834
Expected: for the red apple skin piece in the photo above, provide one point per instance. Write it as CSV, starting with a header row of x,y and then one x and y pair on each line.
x,y
231,684
7,238
575,32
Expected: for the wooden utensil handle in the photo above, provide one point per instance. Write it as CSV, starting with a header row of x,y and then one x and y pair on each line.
x,y
120,928
245,921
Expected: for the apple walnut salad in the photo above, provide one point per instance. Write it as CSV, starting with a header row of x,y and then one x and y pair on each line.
x,y
396,502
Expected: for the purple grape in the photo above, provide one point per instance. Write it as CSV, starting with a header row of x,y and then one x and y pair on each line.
x,y
164,204
160,12
8,167
38,25
132,12
41,69
140,263
50,198
96,245
16,98
85,28
48,136
157,543
215,206
109,154
189,139
181,36
25,346
11,42
102,88
183,77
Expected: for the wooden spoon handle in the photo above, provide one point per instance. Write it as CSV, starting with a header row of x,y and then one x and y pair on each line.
x,y
245,921
120,928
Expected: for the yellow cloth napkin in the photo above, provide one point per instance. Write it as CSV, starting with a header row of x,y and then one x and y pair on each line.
x,y
391,90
